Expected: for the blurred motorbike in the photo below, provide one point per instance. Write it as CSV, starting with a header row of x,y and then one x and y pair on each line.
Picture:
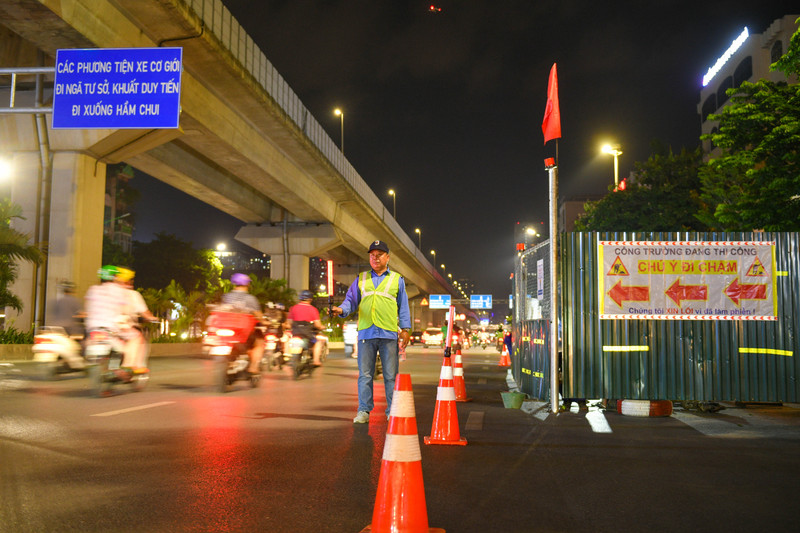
x,y
226,342
104,354
55,352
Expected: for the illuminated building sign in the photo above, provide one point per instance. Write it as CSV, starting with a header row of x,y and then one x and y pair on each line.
x,y
735,45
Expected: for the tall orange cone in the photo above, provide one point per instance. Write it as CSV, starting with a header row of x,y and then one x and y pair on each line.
x,y
400,503
505,360
458,379
445,418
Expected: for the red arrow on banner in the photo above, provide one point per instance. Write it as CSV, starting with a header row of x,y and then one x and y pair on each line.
x,y
680,292
737,292
630,293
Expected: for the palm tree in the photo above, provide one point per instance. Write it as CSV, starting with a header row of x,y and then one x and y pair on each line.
x,y
13,247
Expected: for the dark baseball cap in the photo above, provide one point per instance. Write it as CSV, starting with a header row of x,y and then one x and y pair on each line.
x,y
379,245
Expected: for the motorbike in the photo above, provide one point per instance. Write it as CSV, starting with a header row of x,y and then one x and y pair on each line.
x,y
55,352
302,360
104,354
226,342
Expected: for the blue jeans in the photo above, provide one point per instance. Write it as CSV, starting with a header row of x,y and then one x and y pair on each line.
x,y
368,349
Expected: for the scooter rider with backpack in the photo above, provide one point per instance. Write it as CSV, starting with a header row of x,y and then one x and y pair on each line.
x,y
300,320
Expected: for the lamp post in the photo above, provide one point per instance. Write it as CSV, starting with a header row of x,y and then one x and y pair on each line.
x,y
616,152
433,253
419,234
394,203
339,113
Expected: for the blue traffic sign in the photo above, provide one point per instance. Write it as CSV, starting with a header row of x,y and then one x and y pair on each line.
x,y
117,88
439,301
480,301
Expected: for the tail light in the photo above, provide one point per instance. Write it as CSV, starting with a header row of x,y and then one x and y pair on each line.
x,y
224,332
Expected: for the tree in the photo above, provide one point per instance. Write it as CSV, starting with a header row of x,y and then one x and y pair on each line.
x,y
664,197
754,184
168,258
13,247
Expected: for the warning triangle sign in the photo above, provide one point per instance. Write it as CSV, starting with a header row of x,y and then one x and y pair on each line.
x,y
756,269
618,269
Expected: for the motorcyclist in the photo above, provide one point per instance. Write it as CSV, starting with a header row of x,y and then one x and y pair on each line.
x,y
66,312
241,299
135,346
105,302
300,320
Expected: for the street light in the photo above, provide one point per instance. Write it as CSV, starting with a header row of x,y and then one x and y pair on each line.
x,y
419,234
339,113
433,253
5,169
394,203
616,152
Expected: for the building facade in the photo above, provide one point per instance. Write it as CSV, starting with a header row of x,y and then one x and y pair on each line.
x,y
748,58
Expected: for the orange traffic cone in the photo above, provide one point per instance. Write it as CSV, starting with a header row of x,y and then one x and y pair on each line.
x,y
400,503
445,417
458,380
505,360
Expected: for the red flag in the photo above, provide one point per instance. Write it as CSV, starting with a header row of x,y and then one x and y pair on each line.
x,y
551,125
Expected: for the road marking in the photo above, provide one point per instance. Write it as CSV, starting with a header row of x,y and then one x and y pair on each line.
x,y
130,409
597,419
474,421
481,381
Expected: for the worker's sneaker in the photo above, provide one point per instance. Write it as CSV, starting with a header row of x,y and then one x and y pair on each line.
x,y
362,417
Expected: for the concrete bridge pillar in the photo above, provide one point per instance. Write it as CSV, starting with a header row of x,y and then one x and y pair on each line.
x,y
75,225
290,245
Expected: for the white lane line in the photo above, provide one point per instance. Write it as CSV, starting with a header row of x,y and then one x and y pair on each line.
x,y
474,421
130,409
597,419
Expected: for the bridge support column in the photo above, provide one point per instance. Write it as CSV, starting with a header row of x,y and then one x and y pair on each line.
x,y
75,243
290,245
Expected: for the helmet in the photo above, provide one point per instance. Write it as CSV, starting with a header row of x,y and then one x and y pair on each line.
x,y
306,295
108,272
125,274
240,279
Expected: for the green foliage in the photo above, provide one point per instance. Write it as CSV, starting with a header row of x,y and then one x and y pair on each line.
x,y
13,247
755,183
272,290
664,197
113,254
168,258
11,335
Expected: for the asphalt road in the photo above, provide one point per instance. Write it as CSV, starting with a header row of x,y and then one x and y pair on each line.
x,y
286,457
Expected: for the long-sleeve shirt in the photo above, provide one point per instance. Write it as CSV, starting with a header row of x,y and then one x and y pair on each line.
x,y
353,299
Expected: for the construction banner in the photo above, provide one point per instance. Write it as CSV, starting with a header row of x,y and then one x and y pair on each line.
x,y
693,280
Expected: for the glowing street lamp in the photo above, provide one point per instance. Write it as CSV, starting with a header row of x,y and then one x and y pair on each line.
x,y
616,152
339,113
433,253
5,169
394,203
419,234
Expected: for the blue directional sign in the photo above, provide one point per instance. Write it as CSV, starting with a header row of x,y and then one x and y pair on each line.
x,y
117,88
480,301
439,301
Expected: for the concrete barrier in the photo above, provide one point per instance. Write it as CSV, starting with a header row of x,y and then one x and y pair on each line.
x,y
24,352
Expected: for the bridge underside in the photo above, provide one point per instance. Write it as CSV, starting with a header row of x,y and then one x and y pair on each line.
x,y
236,149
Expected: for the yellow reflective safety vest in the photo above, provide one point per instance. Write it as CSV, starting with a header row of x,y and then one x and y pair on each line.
x,y
378,304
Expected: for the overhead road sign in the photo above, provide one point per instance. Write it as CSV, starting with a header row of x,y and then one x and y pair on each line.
x,y
115,88
480,301
439,301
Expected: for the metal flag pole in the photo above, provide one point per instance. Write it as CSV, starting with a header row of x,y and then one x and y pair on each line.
x,y
552,170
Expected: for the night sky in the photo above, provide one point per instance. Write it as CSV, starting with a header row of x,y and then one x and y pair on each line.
x,y
446,107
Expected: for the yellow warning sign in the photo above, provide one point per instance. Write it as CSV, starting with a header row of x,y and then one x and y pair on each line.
x,y
756,269
618,269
